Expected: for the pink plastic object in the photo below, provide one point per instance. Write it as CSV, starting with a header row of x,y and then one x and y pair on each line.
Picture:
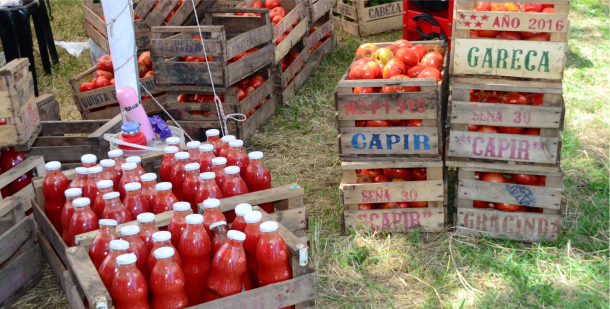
x,y
128,99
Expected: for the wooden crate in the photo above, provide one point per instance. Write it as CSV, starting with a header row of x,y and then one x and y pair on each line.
x,y
516,58
319,8
360,21
362,143
522,226
434,190
18,105
226,37
33,164
48,108
288,81
324,25
530,153
102,103
20,257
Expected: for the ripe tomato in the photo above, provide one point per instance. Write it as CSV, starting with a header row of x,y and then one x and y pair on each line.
x,y
402,173
414,123
474,34
102,82
364,90
256,83
249,90
536,99
112,80
358,70
365,179
280,39
482,204
277,11
524,179
257,4
382,178
548,10
419,174
377,123
360,123
482,6
542,180
542,37
487,33
142,69
532,131
532,209
397,180
366,50
514,98
394,67
531,7
86,86
145,58
418,204
402,44
387,205
430,72
403,205
148,74
106,74
473,127
270,4
105,63
433,60
366,206
510,35
393,48
276,19
408,56
491,100
93,80
503,7
507,207
421,50
413,71
183,98
241,94
494,177
372,172
510,130
244,83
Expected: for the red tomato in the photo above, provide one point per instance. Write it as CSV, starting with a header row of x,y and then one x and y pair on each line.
x,y
145,58
240,94
277,11
93,80
403,205
419,174
514,98
366,50
542,37
388,205
474,34
276,19
102,82
249,90
491,100
86,86
365,179
270,4
544,6
372,172
509,35
244,83
421,50
482,204
430,72
473,127
536,99
408,56
542,180
477,175
526,35
392,89
257,4
360,62
382,178
532,131
142,69
488,129
482,6
394,67
112,80
532,209
183,98
105,63
524,179
435,48
487,33
433,60
366,206
377,123
503,7
364,90
106,74
548,10
402,173
507,207
530,7
412,72
360,123
402,44
510,130
256,83
494,177
418,204
368,71
414,123
148,74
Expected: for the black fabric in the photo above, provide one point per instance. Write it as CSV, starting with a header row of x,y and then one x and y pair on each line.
x,y
437,6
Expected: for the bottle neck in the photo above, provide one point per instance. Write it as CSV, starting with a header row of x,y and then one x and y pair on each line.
x,y
182,214
253,227
130,238
235,243
133,192
169,156
165,243
220,230
113,202
236,149
213,138
149,184
193,174
219,167
232,177
109,169
214,210
72,198
118,159
83,209
104,190
130,173
165,262
207,154
163,193
116,252
94,177
127,267
207,182
269,235
147,225
107,229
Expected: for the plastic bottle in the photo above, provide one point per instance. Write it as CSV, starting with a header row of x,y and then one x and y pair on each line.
x,y
178,174
146,221
88,160
167,281
239,224
138,162
219,235
103,187
207,188
109,173
258,177
117,156
130,174
165,198
114,209
93,177
213,138
228,268
83,219
131,134
178,223
195,249
191,185
168,162
54,185
149,181
237,157
80,177
218,167
206,154
253,234
211,213
162,239
134,202
129,289
232,186
193,149
66,214
272,255
137,246
100,246
224,149
109,267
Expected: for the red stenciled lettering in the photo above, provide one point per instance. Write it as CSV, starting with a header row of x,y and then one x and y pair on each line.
x,y
350,108
496,22
481,222
405,220
555,227
476,116
400,107
361,108
375,106
385,221
490,151
421,105
366,194
524,147
543,227
493,224
465,221
396,218
505,227
506,21
504,145
515,23
474,146
529,225
374,217
513,148
415,218
387,107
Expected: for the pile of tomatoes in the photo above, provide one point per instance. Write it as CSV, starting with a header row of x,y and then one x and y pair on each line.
x,y
276,14
104,76
521,179
513,7
391,175
287,61
502,97
171,14
320,42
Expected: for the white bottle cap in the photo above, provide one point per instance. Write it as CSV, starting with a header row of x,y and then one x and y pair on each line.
x,y
146,217
182,155
227,138
236,143
128,166
211,203
170,149
181,206
253,216
72,192
148,177
230,170
206,147
219,161
255,155
212,132
193,144
164,252
207,175
172,140
107,163
94,170
163,186
194,219
242,209
219,223
126,259
133,159
103,184
191,167
81,202
130,230
115,153
161,236
111,195
119,244
53,165
269,226
236,235
108,222
88,159
132,186
81,170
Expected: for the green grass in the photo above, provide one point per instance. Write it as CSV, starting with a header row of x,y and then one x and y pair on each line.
x,y
419,270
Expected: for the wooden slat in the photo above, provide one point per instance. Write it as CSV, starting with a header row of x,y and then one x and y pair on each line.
x,y
11,240
398,219
22,168
87,276
389,141
387,106
405,191
512,21
47,229
506,115
513,194
20,273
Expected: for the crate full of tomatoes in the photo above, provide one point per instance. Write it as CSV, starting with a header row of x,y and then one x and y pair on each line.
x,y
94,92
393,196
505,122
389,102
508,203
526,40
321,38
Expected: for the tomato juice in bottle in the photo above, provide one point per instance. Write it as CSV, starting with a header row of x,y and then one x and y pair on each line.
x,y
232,186
237,157
80,177
109,173
93,177
191,185
213,138
138,162
83,219
219,235
207,188
100,246
129,289
168,162
136,246
146,221
206,154
109,267
54,186
211,213
178,222
258,177
272,255
67,212
103,187
165,198
253,233
218,167
167,281
228,268
116,155
179,174
195,249
161,239
130,174
193,149
239,224
149,181
224,149
114,209
88,160
134,202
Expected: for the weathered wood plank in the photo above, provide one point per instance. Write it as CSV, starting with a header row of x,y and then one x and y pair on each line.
x,y
11,240
386,192
398,219
513,194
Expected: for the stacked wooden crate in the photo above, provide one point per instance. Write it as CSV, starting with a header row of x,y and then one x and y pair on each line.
x,y
412,189
358,19
527,154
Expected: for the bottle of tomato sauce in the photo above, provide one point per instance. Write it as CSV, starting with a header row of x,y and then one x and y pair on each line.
x,y
232,186
114,209
165,198
138,162
161,239
179,174
100,246
253,233
136,246
130,174
178,223
90,190
108,268
84,219
103,187
237,157
258,177
211,213
241,210
129,289
80,177
206,154
117,156
193,149
53,188
109,173
67,212
228,268
146,221
218,167
191,185
207,188
196,251
88,160
224,149
167,281
134,202
213,138
149,181
273,256
168,162
219,235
